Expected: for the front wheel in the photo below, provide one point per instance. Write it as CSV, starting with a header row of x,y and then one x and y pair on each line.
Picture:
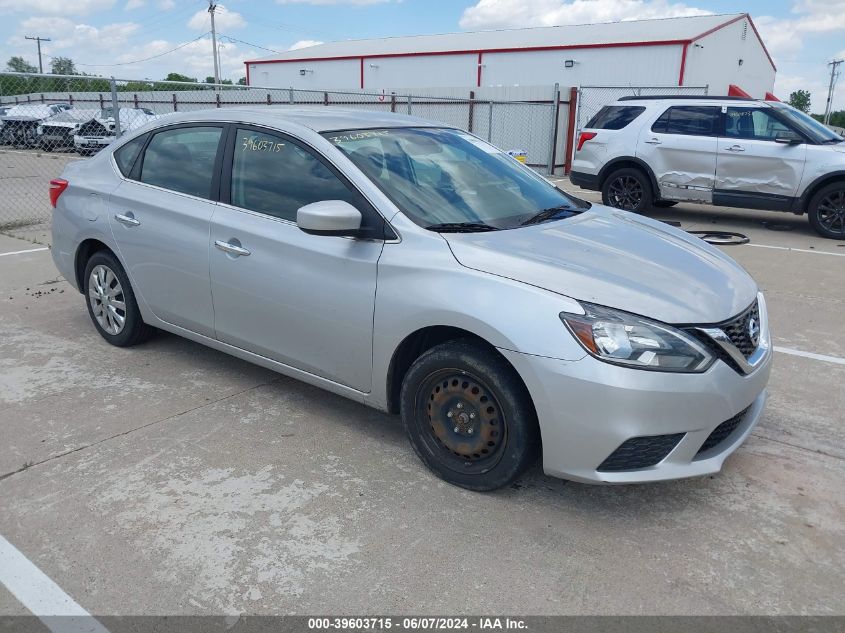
x,y
827,211
468,416
628,189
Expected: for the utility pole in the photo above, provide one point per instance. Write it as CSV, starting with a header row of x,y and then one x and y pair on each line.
x,y
211,9
39,40
834,75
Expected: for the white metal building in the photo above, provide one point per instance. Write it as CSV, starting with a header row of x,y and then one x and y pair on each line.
x,y
714,50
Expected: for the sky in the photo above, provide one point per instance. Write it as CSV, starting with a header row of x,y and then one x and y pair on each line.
x,y
135,39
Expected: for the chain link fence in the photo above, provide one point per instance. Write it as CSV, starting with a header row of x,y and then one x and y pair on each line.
x,y
47,121
591,99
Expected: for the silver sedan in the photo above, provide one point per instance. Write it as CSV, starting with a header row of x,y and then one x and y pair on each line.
x,y
419,270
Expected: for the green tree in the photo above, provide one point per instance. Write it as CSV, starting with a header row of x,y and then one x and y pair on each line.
x,y
178,77
242,81
800,100
18,64
63,66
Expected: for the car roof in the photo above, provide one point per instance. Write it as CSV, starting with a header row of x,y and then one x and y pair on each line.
x,y
645,100
317,118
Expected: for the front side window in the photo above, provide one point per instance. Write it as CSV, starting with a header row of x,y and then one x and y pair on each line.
x,y
689,120
274,175
614,117
755,123
443,177
182,159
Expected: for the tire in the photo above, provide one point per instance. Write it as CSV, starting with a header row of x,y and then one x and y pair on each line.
x,y
495,436
628,189
117,292
664,204
827,211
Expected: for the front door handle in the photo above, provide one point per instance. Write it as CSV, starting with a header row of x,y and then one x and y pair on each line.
x,y
654,141
232,249
736,148
127,220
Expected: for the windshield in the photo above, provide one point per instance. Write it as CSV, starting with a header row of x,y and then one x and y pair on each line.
x,y
808,125
442,178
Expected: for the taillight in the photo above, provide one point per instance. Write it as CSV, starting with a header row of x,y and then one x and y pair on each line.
x,y
57,186
585,136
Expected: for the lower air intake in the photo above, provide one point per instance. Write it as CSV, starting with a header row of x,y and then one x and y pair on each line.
x,y
722,432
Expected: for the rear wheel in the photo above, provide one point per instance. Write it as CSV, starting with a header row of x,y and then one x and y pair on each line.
x,y
629,189
468,416
111,302
827,211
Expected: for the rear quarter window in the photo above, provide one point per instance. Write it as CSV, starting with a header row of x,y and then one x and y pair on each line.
x,y
614,117
126,156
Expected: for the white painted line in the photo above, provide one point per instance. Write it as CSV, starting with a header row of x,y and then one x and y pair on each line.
x,y
42,596
797,250
31,250
814,356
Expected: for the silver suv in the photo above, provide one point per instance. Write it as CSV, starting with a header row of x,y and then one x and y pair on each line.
x,y
419,270
657,151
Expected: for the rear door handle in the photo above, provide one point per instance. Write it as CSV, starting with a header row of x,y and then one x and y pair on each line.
x,y
736,148
232,249
654,141
127,220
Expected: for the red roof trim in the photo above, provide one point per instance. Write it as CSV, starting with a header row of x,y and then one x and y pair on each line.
x,y
473,51
744,16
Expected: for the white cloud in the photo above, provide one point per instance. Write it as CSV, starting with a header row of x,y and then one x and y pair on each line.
x,y
223,19
811,17
131,5
56,7
491,14
304,44
166,5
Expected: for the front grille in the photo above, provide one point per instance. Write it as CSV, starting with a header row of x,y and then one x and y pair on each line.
x,y
92,128
737,330
56,130
722,432
640,452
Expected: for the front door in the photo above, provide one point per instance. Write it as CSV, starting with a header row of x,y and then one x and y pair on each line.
x,y
680,148
160,218
751,162
304,300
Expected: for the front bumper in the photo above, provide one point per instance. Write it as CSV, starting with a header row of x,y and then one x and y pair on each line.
x,y
92,142
588,408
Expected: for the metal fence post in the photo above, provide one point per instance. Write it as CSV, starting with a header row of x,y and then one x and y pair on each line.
x,y
290,95
115,107
409,105
471,110
553,131
490,121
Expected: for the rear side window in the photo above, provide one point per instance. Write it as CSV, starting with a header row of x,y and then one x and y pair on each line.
x,y
689,120
614,117
126,155
182,159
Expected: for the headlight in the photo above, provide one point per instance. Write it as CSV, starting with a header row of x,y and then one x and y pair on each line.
x,y
634,341
39,130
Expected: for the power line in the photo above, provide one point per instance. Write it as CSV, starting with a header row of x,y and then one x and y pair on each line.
x,y
235,39
39,40
146,59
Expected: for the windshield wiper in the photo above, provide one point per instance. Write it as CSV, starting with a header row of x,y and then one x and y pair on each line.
x,y
553,213
461,227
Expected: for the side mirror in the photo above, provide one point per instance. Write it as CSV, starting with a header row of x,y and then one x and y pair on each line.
x,y
329,217
789,139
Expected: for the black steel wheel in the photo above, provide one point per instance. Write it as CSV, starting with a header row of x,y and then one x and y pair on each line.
x,y
628,189
827,211
468,416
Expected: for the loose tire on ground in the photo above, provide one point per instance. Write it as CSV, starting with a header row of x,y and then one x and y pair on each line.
x,y
628,188
111,302
469,416
826,211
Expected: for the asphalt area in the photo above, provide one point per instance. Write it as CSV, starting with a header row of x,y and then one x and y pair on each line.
x,y
173,479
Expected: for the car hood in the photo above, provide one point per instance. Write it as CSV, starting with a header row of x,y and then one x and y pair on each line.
x,y
616,259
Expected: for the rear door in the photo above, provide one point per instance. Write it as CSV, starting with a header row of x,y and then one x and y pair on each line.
x,y
680,147
753,168
160,217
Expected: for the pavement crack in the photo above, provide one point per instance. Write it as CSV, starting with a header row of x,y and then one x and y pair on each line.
x,y
29,465
816,451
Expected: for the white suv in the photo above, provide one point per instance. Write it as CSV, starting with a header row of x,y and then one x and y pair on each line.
x,y
656,151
